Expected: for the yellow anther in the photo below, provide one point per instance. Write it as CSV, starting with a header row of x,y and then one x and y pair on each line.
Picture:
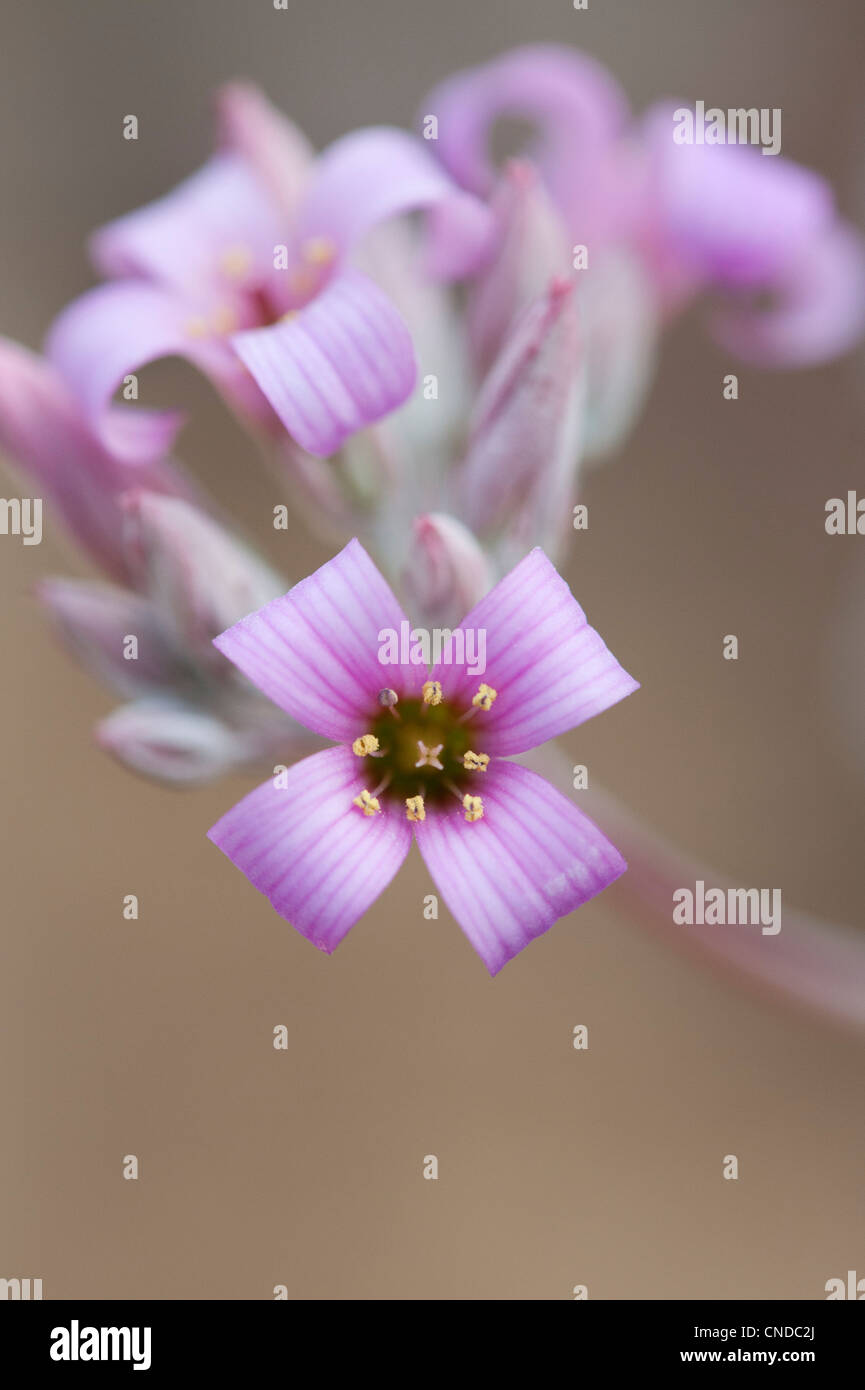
x,y
318,250
476,762
432,692
224,320
414,808
302,281
368,804
473,807
196,328
484,697
366,744
235,261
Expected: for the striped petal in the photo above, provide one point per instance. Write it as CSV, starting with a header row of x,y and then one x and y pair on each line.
x,y
531,859
551,671
342,362
313,854
314,651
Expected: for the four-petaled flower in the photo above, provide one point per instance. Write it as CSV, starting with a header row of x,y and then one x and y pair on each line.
x,y
509,853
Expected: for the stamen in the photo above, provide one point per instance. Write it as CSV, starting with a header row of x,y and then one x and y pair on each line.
x,y
196,327
236,261
302,281
432,692
318,250
484,697
388,699
365,745
414,808
429,757
476,762
224,320
473,807
367,803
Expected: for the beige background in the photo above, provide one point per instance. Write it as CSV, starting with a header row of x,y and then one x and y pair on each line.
x,y
304,1167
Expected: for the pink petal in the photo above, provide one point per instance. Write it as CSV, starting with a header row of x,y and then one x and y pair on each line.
x,y
375,174
551,671
577,107
820,311
532,859
44,431
113,330
341,363
314,651
728,213
313,854
181,240
267,141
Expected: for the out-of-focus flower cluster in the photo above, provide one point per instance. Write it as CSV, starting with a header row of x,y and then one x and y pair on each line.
x,y
427,345
431,385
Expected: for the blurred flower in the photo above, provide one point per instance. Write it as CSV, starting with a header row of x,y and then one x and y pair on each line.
x,y
426,755
698,217
184,578
244,269
46,433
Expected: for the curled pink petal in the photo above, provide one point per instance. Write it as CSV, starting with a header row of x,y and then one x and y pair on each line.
x,y
530,860
550,670
578,109
342,362
819,308
45,432
314,651
727,214
375,174
111,331
313,854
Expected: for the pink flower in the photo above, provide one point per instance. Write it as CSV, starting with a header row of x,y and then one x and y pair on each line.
x,y
245,270
423,753
716,218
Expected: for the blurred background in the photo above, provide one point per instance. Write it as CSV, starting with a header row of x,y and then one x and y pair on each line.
x,y
556,1167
